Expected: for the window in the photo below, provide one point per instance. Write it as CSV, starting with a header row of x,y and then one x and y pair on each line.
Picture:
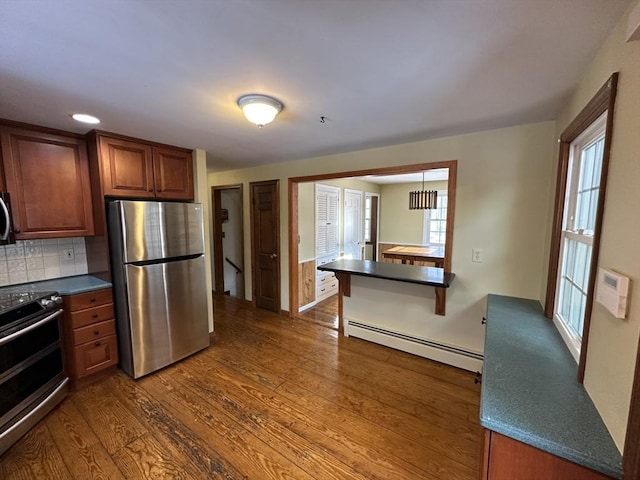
x,y
578,226
577,219
367,218
434,231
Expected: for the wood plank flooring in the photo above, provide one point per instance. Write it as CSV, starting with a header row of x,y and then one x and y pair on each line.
x,y
272,398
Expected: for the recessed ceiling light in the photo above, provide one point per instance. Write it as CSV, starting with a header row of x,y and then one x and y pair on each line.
x,y
84,118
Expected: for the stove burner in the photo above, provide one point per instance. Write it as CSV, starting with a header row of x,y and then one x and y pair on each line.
x,y
17,307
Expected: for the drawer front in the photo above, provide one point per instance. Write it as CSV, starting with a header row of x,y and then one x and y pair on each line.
x,y
326,278
94,332
92,315
329,289
96,355
327,259
90,299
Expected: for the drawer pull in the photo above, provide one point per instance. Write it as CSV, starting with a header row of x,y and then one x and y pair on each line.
x,y
95,315
97,344
96,332
322,289
92,299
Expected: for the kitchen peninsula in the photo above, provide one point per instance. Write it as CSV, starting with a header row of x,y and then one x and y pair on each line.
x,y
394,304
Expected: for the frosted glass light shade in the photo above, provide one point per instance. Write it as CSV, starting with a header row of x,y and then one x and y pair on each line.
x,y
85,118
259,109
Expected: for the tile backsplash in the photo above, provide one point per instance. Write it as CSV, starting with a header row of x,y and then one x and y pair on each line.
x,y
33,260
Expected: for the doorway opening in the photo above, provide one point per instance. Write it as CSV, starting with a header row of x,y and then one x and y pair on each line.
x,y
228,241
366,241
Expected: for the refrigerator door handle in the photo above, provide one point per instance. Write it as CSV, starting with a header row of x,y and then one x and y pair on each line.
x,y
165,260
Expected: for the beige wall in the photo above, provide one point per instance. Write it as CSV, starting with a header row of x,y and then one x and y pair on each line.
x,y
398,224
306,221
203,196
613,342
502,204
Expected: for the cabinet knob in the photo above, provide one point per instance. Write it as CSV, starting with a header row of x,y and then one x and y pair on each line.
x,y
95,315
151,190
97,344
16,230
92,299
96,332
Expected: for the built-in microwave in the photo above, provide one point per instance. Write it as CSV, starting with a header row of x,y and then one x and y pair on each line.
x,y
7,234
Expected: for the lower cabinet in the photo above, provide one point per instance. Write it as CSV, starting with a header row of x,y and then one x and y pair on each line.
x,y
90,336
506,458
326,282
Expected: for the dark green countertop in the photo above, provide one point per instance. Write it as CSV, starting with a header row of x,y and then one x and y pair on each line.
x,y
530,392
64,285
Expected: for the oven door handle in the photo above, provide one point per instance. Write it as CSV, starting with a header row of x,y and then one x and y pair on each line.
x,y
5,235
8,338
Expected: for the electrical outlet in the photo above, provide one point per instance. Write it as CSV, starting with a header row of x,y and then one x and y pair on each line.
x,y
68,255
477,256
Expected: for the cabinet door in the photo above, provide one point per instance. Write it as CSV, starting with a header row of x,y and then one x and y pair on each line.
x,y
127,169
47,176
173,173
327,220
505,457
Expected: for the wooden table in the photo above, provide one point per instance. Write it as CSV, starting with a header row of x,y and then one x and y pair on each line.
x,y
410,254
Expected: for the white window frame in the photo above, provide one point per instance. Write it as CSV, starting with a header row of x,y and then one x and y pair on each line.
x,y
426,224
594,133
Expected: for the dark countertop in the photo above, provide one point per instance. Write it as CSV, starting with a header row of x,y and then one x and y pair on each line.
x,y
435,277
530,392
64,285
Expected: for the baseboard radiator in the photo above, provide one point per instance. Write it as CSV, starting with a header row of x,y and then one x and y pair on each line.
x,y
468,359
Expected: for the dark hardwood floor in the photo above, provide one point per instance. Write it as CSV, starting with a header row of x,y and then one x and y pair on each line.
x,y
272,398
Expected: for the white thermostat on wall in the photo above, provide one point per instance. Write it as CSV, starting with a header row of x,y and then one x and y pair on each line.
x,y
611,291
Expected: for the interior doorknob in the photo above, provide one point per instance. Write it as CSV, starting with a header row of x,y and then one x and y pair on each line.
x,y
273,255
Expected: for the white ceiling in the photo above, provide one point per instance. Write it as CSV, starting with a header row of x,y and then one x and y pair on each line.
x,y
381,71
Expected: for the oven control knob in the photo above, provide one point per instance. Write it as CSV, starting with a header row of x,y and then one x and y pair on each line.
x,y
46,303
57,299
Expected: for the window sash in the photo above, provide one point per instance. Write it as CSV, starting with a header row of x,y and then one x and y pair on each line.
x,y
576,237
434,230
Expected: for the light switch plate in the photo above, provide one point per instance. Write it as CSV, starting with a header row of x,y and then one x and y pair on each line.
x,y
477,255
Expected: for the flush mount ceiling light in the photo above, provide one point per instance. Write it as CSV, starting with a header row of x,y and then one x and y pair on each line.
x,y
259,109
85,118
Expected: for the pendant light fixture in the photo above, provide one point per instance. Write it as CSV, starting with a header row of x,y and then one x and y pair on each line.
x,y
259,109
424,199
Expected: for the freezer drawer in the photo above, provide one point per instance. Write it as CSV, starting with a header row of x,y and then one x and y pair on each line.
x,y
167,314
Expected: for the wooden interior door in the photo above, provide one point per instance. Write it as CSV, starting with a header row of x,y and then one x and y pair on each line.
x,y
265,244
373,228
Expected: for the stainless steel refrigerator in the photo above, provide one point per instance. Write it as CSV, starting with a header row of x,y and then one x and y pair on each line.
x,y
158,273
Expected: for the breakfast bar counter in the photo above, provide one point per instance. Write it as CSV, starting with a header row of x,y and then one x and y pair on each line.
x,y
402,307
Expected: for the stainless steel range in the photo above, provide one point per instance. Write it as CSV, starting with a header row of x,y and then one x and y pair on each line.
x,y
33,379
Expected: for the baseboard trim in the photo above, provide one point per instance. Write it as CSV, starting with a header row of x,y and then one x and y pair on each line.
x,y
440,352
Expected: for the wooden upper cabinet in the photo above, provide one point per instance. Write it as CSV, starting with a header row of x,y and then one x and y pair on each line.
x,y
47,176
127,168
173,173
136,169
